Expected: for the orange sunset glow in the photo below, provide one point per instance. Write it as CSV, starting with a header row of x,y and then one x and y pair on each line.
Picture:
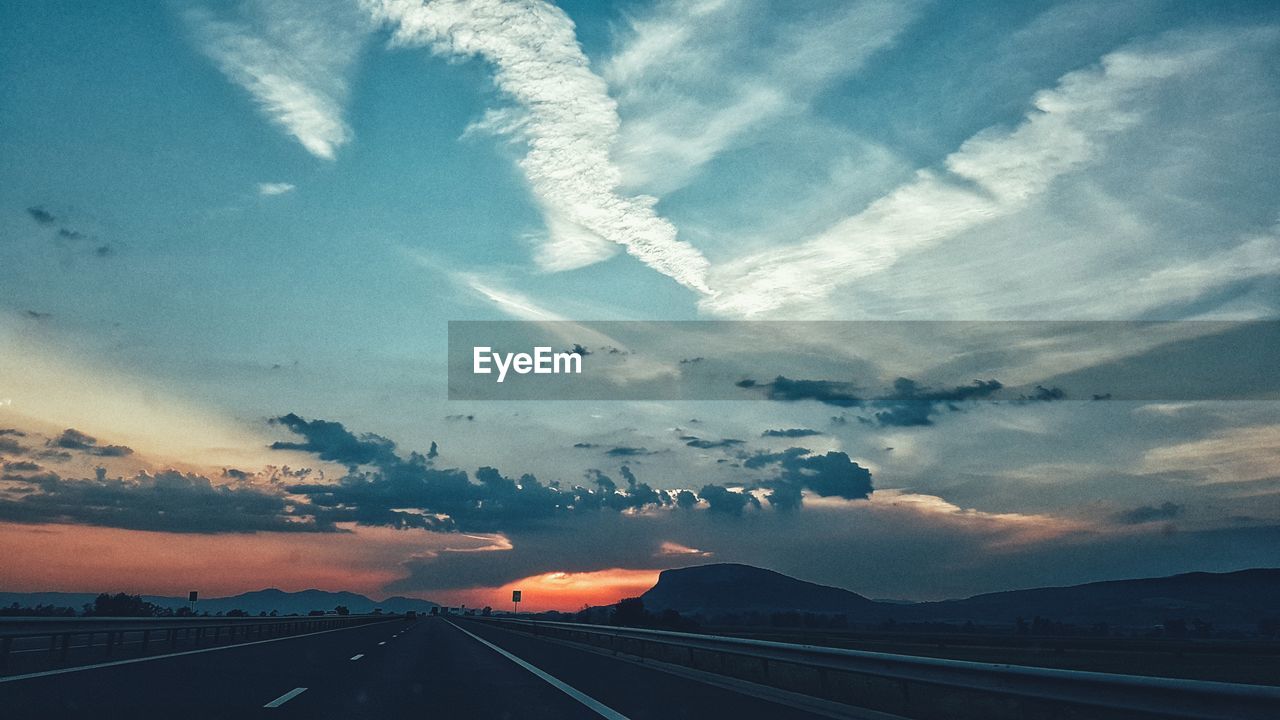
x,y
557,590
75,558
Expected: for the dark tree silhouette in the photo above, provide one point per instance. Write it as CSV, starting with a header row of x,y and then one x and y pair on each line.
x,y
630,612
16,610
121,605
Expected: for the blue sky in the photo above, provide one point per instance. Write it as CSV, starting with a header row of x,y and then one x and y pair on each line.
x,y
214,214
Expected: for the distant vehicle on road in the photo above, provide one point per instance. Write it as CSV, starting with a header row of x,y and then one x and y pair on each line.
x,y
410,614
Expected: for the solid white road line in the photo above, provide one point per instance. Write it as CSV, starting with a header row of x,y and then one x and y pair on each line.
x,y
95,666
384,642
285,697
357,657
600,708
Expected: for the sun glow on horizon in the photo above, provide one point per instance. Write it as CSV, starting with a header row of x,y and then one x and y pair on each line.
x,y
557,590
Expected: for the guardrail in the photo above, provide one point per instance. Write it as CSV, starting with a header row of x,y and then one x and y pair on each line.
x,y
924,687
54,641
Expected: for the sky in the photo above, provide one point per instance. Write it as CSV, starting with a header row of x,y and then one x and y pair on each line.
x,y
233,236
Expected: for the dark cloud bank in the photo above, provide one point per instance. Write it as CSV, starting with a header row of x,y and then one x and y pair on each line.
x,y
385,487
909,404
448,499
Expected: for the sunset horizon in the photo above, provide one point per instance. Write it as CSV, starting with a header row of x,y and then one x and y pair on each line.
x,y
852,311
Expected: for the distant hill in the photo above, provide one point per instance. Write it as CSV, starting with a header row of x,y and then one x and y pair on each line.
x,y
729,587
1227,600
1234,599
282,602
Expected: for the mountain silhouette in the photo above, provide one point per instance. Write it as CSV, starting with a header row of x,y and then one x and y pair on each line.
x,y
730,587
1226,600
1234,599
257,601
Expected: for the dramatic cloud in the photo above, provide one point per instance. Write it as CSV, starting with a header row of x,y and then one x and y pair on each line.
x,y
833,474
696,442
695,79
909,404
565,117
790,433
1049,394
21,466
723,501
625,451
168,501
331,441
994,174
412,493
830,392
295,57
72,439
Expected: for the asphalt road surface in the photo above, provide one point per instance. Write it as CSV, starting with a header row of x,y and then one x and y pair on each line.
x,y
430,668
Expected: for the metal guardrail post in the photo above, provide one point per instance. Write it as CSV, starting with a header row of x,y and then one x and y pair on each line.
x,y
146,639
5,644
66,647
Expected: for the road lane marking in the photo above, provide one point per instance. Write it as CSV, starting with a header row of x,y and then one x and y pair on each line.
x,y
285,698
599,707
384,642
130,661
357,657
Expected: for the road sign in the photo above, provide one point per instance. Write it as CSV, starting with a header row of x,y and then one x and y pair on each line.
x,y
515,596
191,596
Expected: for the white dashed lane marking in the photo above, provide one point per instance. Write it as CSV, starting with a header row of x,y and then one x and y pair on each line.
x,y
285,698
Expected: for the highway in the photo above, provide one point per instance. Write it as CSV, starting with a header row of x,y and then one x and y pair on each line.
x,y
429,668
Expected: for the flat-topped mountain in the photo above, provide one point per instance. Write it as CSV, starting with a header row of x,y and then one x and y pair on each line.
x,y
730,587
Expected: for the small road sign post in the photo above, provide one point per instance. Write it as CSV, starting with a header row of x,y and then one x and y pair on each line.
x,y
515,602
191,600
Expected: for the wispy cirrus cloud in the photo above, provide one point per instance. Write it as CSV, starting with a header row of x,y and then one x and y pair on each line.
x,y
268,189
565,117
694,79
295,57
992,175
